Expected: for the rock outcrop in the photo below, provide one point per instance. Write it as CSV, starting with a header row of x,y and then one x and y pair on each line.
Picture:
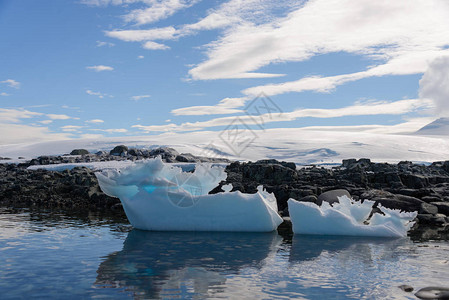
x,y
405,186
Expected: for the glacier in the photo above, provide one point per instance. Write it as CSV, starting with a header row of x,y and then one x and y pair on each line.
x,y
161,197
348,217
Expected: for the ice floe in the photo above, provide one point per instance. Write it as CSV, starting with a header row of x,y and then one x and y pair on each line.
x,y
159,196
348,217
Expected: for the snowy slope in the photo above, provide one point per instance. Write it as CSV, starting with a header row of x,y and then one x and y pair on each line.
x,y
292,144
437,127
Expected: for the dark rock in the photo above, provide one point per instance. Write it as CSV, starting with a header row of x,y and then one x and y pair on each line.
x,y
134,152
310,198
374,193
402,202
186,157
364,161
432,292
408,192
406,288
414,181
167,153
332,196
119,150
79,152
429,199
348,162
429,219
428,209
443,207
285,227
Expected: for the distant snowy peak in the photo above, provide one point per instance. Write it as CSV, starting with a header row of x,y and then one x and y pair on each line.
x,y
437,127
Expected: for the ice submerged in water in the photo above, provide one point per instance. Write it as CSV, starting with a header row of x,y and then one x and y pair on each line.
x,y
158,196
348,217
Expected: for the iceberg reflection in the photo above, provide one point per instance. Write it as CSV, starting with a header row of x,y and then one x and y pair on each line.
x,y
353,267
309,247
182,264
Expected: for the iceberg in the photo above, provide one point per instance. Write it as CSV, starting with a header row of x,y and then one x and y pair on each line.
x,y
348,217
162,197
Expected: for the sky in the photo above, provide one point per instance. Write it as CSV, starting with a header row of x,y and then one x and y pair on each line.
x,y
102,68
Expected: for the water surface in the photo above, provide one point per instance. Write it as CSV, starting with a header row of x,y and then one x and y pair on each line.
x,y
56,256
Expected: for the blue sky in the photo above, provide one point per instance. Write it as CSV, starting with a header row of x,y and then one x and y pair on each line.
x,y
93,68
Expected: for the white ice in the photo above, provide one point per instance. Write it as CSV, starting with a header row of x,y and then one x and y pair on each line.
x,y
298,145
159,196
348,217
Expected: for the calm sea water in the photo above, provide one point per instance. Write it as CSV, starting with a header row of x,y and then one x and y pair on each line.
x,y
55,256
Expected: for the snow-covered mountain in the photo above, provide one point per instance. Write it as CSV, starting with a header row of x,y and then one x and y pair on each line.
x,y
437,127
290,144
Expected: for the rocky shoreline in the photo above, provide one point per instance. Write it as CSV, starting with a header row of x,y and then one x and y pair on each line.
x,y
406,186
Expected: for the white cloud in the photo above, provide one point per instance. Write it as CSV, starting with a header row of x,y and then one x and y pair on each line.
x,y
4,94
410,63
98,94
157,10
229,13
59,117
434,85
102,44
71,128
237,12
100,68
401,36
95,121
225,106
70,107
91,136
358,109
19,133
151,11
140,97
407,127
164,33
11,83
140,57
385,30
110,2
15,115
116,130
154,46
11,133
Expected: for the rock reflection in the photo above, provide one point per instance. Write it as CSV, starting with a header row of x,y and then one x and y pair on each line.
x,y
183,264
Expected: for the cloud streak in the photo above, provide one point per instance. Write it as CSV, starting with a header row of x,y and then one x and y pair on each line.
x,y
225,106
164,33
140,97
95,121
11,83
98,94
157,10
100,68
8,115
388,30
359,109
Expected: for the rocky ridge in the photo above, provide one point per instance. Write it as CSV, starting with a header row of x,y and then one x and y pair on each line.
x,y
406,186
